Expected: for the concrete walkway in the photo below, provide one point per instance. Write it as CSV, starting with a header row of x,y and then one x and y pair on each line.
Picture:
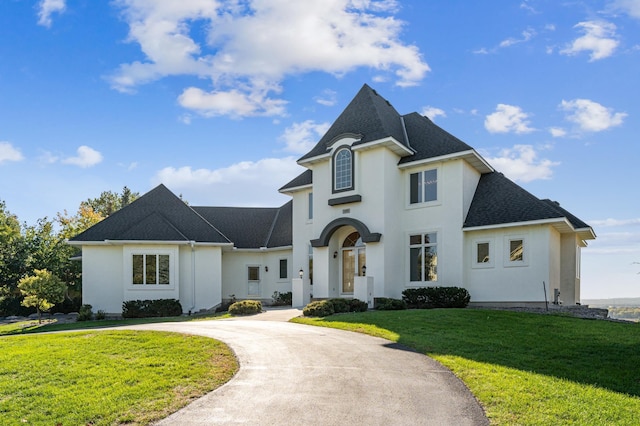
x,y
293,374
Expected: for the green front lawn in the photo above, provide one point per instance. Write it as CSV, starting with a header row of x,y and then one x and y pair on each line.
x,y
106,377
525,369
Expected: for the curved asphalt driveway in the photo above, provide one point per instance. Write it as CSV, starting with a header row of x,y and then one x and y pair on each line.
x,y
293,374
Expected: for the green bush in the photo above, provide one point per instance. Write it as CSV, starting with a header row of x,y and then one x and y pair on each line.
x,y
319,308
151,308
357,305
340,305
388,304
85,313
246,307
282,299
100,315
436,297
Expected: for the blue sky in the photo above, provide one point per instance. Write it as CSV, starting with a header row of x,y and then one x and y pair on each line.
x,y
218,98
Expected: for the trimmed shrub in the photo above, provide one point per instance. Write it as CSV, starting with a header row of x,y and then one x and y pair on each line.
x,y
319,308
100,315
282,299
246,307
85,313
436,297
388,304
357,305
151,308
340,305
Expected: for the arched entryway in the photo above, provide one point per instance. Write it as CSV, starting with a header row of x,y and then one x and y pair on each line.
x,y
353,261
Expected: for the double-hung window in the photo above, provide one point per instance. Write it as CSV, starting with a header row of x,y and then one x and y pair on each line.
x,y
343,170
423,257
151,269
423,186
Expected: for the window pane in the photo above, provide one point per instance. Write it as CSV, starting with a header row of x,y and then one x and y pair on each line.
x,y
415,194
283,268
415,264
343,169
150,271
415,239
516,250
431,238
430,185
253,273
430,264
310,205
163,269
138,269
482,253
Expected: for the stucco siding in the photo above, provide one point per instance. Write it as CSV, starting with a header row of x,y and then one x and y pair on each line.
x,y
102,278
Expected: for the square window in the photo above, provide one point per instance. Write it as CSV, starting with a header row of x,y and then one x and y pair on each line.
x,y
423,186
482,253
516,250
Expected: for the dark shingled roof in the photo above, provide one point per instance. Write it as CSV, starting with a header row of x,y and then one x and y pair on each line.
x,y
498,200
252,227
304,178
156,216
428,140
369,115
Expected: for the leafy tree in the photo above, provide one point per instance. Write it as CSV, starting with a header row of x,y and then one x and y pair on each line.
x,y
85,218
42,291
13,254
109,202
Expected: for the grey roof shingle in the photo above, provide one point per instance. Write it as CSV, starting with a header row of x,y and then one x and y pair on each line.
x,y
252,227
156,216
304,178
498,200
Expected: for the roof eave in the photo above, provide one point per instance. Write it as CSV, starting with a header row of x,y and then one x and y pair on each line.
x,y
145,242
391,143
560,223
295,188
471,156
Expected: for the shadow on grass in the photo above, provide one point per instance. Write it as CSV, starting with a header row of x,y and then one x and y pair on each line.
x,y
598,353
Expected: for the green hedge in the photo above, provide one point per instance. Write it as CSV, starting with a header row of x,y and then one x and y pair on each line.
x,y
323,308
388,304
151,308
436,297
246,307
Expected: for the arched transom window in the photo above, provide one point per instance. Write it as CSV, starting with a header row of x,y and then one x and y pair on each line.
x,y
343,170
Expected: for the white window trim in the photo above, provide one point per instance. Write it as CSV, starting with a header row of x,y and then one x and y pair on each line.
x,y
280,279
407,186
526,252
128,253
474,254
407,237
334,171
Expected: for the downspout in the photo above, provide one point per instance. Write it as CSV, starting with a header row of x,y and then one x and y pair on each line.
x,y
193,275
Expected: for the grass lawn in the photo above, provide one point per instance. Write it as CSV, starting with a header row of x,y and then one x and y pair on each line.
x,y
106,377
525,369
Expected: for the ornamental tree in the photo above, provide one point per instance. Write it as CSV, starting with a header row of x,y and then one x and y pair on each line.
x,y
42,291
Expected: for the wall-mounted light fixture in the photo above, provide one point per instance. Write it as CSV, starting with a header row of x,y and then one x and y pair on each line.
x,y
300,273
335,254
266,269
364,270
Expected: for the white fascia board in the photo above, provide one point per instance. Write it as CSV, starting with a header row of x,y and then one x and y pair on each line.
x,y
471,156
296,189
262,249
315,159
586,234
562,221
144,242
390,143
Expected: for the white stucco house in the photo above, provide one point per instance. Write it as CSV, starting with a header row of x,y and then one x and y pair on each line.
x,y
387,202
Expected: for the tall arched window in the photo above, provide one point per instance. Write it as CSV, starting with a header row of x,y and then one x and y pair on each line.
x,y
343,170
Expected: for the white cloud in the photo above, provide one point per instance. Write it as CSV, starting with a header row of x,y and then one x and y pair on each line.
x,y
610,222
557,132
328,98
433,112
599,38
9,153
508,118
247,183
301,137
521,163
526,36
630,7
46,8
87,157
247,49
590,116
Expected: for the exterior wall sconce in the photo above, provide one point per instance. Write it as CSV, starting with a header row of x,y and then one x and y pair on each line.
x,y
300,273
266,269
364,270
335,254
